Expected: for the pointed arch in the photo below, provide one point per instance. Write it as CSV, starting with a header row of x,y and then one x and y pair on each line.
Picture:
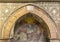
x,y
24,10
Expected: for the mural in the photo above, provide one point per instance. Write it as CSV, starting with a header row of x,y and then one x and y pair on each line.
x,y
28,29
28,32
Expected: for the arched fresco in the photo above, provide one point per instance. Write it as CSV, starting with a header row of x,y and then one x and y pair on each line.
x,y
28,28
